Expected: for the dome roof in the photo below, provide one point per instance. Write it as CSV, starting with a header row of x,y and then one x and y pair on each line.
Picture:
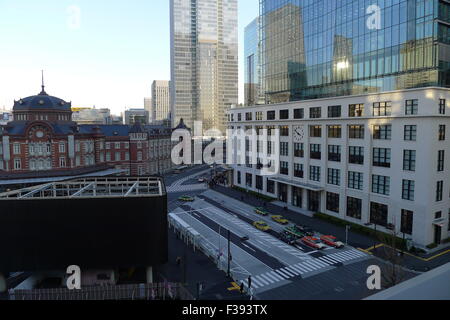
x,y
41,101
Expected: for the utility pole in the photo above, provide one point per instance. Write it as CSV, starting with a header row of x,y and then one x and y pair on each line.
x,y
229,253
347,229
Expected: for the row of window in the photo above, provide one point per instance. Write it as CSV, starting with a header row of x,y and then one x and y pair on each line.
x,y
354,110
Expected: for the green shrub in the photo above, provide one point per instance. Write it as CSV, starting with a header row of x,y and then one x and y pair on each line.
x,y
432,246
446,241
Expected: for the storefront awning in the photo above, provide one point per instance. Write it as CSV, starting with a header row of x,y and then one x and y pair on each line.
x,y
297,184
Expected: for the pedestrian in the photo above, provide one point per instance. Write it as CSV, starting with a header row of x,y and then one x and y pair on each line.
x,y
178,261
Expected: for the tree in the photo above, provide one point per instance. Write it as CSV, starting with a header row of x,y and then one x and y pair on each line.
x,y
392,271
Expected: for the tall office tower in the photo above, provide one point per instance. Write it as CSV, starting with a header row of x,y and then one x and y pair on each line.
x,y
160,100
252,70
204,61
148,107
324,48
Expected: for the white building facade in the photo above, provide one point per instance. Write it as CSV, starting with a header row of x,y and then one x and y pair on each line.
x,y
376,158
160,100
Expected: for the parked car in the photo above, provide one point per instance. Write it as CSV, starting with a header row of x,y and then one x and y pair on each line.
x,y
280,220
306,230
202,180
261,212
295,231
261,225
245,238
313,243
287,238
186,199
332,241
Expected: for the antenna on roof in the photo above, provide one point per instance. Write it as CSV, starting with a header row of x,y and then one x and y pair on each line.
x,y
43,85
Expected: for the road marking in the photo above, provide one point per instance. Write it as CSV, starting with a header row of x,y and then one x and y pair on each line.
x,y
234,287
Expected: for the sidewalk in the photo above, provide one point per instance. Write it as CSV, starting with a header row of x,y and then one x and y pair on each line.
x,y
199,269
357,240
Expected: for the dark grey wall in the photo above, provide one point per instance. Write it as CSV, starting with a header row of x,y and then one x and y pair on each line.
x,y
91,233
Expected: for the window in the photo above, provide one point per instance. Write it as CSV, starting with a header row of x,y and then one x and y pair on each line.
x,y
382,109
249,180
17,164
314,173
127,145
118,156
439,191
355,110
442,106
248,116
356,155
410,133
354,208
240,116
259,116
381,185
62,162
16,148
334,177
441,160
411,107
62,147
284,168
355,180
315,151
382,157
334,111
409,160
442,133
284,131
382,132
299,113
259,183
333,202
438,215
117,145
315,113
127,156
270,115
239,177
270,186
334,153
299,151
315,131
356,132
284,149
107,145
269,147
298,170
408,190
407,222
284,114
108,156
335,132
379,214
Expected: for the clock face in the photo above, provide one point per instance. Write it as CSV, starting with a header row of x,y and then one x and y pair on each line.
x,y
299,133
39,134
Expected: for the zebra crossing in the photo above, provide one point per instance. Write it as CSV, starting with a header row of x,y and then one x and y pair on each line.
x,y
303,268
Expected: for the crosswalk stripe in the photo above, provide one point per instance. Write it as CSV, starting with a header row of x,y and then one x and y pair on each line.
x,y
264,276
258,283
301,267
288,272
296,267
308,267
261,279
282,274
328,259
318,263
292,269
273,275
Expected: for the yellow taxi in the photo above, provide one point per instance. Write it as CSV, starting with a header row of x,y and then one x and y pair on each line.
x,y
280,220
261,225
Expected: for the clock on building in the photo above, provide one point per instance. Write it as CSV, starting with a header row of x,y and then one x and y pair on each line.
x,y
299,133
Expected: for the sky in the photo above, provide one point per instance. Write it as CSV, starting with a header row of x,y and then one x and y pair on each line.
x,y
102,53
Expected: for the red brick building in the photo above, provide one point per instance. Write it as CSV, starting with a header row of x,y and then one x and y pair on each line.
x,y
43,140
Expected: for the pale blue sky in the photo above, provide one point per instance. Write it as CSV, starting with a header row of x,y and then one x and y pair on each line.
x,y
108,60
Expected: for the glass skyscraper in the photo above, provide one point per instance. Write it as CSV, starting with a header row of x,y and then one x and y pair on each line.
x,y
252,70
204,61
322,48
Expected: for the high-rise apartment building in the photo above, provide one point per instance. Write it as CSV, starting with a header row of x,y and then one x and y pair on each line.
x,y
160,100
325,48
204,61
